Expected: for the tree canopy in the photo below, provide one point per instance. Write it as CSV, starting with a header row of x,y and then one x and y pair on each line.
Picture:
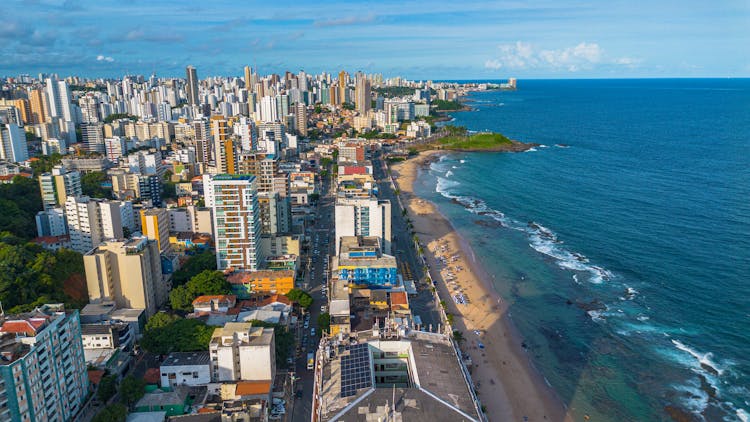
x,y
44,163
132,389
116,116
31,276
116,412
301,297
107,388
19,202
205,260
91,185
207,282
166,333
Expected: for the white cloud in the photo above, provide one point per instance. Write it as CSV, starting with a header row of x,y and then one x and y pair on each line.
x,y
521,55
101,58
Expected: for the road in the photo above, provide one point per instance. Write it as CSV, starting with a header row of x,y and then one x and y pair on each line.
x,y
424,303
322,236
321,248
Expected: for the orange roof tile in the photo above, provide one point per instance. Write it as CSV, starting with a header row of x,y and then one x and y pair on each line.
x,y
252,388
398,298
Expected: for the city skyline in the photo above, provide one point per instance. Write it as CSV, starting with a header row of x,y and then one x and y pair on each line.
x,y
479,40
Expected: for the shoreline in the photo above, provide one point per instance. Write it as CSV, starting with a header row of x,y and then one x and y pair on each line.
x,y
508,384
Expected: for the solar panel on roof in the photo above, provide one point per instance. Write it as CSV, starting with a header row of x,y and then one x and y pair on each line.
x,y
355,370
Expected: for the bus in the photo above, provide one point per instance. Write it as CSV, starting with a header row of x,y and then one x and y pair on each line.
x,y
310,360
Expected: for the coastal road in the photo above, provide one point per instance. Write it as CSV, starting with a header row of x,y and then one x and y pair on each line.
x,y
424,303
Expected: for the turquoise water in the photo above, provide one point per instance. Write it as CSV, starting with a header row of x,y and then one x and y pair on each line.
x,y
622,242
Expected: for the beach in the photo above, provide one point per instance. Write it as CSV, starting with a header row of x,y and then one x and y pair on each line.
x,y
508,385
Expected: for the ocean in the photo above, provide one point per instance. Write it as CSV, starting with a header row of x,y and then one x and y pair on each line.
x,y
622,242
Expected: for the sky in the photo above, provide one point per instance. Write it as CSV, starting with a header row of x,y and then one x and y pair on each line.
x,y
414,39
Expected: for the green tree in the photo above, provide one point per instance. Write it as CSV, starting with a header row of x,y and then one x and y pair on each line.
x,y
132,389
107,388
205,260
324,321
458,336
91,185
116,116
19,202
174,334
115,412
44,163
301,297
207,282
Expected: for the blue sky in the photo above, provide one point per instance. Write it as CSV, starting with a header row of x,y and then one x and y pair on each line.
x,y
418,40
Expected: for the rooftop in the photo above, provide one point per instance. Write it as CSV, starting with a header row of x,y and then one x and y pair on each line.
x,y
187,358
429,387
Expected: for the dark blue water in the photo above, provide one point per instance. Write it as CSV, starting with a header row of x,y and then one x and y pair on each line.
x,y
623,243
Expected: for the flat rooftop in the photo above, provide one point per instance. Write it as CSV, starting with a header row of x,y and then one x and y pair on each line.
x,y
187,358
436,388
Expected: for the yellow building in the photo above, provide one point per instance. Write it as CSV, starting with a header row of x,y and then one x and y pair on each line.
x,y
265,281
155,226
127,272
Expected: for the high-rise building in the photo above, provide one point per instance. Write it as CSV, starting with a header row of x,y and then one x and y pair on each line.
x,y
343,88
241,352
13,145
248,78
43,370
92,135
89,105
127,272
363,217
300,114
51,222
38,107
362,94
155,226
191,89
224,148
91,221
234,200
59,99
57,185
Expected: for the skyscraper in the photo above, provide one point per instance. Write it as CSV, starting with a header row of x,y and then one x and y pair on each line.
x,y
58,185
362,94
248,78
191,88
342,86
224,150
300,113
13,145
38,113
237,228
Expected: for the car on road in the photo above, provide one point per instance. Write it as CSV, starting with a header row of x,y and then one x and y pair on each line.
x,y
307,324
312,332
323,308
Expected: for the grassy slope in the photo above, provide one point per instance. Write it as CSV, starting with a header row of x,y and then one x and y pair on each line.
x,y
477,141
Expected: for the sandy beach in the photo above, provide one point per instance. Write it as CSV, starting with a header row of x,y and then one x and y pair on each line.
x,y
508,385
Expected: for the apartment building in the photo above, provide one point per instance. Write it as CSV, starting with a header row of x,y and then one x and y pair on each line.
x,y
43,369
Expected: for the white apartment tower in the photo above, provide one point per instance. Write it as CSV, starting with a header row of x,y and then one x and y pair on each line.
x,y
236,213
363,217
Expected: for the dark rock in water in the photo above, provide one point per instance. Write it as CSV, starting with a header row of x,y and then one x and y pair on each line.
x,y
568,302
680,415
594,305
706,386
484,223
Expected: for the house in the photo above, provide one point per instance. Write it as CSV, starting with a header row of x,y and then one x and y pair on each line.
x,y
214,303
186,368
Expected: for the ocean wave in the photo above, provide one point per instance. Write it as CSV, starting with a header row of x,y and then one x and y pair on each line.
x,y
693,398
543,146
448,173
742,415
532,149
704,360
461,161
542,239
562,146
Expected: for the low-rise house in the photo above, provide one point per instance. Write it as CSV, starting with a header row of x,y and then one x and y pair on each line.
x,y
186,368
214,303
